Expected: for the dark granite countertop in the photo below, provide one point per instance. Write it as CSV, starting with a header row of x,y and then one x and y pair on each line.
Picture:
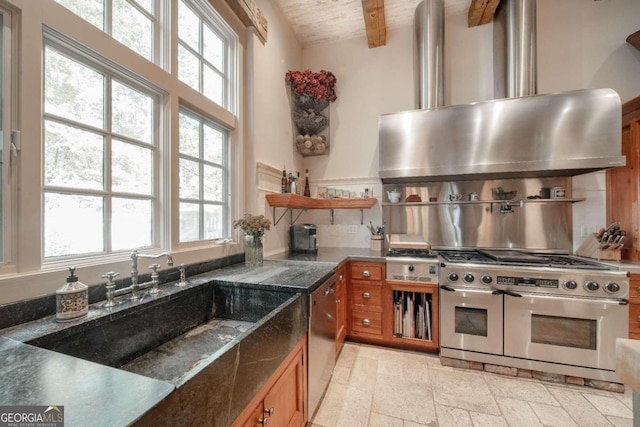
x,y
333,255
88,391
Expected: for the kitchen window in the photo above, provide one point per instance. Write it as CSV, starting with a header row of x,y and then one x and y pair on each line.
x,y
133,23
204,172
100,154
6,144
205,48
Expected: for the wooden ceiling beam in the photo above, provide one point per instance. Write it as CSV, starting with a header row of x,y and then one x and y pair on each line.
x,y
374,22
482,11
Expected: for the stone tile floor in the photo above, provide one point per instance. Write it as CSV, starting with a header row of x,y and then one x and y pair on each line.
x,y
376,386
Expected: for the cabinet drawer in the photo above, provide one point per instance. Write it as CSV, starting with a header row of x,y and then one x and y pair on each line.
x,y
366,271
634,291
366,295
634,318
366,322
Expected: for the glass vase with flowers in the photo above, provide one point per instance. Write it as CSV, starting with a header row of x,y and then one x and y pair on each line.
x,y
253,227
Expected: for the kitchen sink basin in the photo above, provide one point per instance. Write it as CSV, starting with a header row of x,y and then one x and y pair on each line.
x,y
168,338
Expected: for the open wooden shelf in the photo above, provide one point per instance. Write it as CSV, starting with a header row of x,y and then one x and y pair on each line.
x,y
294,201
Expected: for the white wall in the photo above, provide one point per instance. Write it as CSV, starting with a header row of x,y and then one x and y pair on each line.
x,y
270,140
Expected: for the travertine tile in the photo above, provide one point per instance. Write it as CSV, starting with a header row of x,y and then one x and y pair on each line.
x,y
552,416
412,424
348,355
484,420
380,353
379,420
518,413
355,409
331,405
403,398
621,422
519,388
341,374
430,359
579,408
452,417
463,389
609,405
363,374
390,368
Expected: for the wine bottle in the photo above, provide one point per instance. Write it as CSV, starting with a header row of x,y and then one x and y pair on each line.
x,y
289,181
307,190
298,183
283,181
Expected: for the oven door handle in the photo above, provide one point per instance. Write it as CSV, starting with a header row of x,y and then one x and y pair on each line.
x,y
447,288
512,294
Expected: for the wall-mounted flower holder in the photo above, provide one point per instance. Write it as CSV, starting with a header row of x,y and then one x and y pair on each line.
x,y
310,98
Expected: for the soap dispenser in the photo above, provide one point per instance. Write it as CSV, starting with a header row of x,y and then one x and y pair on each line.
x,y
72,300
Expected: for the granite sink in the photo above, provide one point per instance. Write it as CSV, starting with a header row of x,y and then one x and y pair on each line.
x,y
167,338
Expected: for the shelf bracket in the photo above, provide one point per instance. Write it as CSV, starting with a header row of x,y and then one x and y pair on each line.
x,y
361,216
331,216
291,219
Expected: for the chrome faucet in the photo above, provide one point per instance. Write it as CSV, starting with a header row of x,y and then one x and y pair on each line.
x,y
134,263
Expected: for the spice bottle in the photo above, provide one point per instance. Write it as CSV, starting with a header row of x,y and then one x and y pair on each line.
x,y
283,181
72,300
307,190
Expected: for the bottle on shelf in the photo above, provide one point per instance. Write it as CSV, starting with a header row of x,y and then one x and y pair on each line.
x,y
293,187
298,183
283,181
289,181
307,190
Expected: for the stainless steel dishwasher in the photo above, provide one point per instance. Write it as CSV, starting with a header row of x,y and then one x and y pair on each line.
x,y
321,353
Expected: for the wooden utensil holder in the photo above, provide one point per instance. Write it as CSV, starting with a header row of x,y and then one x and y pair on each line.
x,y
590,248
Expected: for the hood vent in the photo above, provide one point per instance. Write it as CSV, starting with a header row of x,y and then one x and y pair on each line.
x,y
514,49
561,134
429,53
521,135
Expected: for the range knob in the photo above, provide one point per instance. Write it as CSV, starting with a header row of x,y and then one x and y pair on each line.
x,y
486,279
468,277
453,277
591,286
570,284
612,287
411,267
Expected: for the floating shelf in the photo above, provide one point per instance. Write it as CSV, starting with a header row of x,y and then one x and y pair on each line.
x,y
484,202
293,201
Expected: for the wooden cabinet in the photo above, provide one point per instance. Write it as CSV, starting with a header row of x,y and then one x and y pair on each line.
x,y
365,300
341,306
623,184
414,315
634,307
282,402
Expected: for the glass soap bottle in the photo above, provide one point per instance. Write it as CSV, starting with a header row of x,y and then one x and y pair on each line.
x,y
72,300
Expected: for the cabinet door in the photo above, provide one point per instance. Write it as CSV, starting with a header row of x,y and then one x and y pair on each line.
x,y
341,307
284,403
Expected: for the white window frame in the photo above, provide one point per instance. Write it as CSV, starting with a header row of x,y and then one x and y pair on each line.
x,y
91,60
229,74
31,276
226,171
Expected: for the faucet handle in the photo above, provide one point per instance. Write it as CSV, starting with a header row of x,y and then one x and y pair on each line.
x,y
183,276
110,275
154,267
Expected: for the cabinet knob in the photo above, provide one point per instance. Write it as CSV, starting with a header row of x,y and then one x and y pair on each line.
x,y
270,411
366,295
366,322
638,318
638,289
340,277
337,301
264,421
366,273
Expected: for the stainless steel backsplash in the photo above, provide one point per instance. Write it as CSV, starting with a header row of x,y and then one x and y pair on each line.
x,y
543,225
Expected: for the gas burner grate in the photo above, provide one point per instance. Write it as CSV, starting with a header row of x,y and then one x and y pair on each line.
x,y
408,252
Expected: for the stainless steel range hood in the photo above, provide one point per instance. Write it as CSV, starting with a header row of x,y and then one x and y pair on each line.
x,y
560,134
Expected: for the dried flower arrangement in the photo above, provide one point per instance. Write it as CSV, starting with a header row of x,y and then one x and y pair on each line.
x,y
253,225
320,85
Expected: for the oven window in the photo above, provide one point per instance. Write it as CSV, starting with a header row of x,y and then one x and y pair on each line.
x,y
471,321
564,331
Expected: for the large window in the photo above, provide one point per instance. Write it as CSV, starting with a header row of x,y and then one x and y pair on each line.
x,y
133,23
204,183
5,135
100,151
204,53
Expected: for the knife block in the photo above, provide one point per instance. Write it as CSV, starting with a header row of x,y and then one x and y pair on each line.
x,y
591,248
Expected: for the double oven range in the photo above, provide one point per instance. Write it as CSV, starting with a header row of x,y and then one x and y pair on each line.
x,y
546,312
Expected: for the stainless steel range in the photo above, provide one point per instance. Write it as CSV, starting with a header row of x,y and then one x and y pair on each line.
x,y
410,259
545,312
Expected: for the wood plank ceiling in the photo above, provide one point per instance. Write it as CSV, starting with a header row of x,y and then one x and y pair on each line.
x,y
318,21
